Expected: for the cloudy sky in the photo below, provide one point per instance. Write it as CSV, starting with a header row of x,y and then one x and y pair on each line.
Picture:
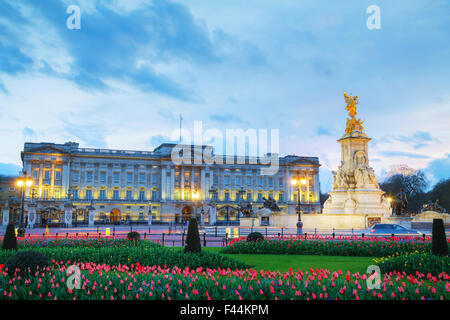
x,y
122,80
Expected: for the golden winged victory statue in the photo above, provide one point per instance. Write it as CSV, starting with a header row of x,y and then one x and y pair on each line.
x,y
352,122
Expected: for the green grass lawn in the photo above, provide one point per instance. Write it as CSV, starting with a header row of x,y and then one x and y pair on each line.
x,y
303,262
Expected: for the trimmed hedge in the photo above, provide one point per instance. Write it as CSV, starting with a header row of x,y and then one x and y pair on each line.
x,y
193,238
327,247
139,253
26,261
10,240
133,236
415,262
255,236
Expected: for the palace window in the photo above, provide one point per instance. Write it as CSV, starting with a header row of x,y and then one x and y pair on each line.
x,y
75,175
115,194
249,196
238,180
260,197
227,196
88,194
280,182
280,197
216,179
116,177
259,181
142,178
129,195
141,195
47,175
155,178
129,178
45,193
75,194
58,175
227,180
57,193
249,181
270,182
102,195
89,176
36,174
154,195
103,176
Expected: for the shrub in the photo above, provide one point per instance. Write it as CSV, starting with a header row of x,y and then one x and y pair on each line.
x,y
415,261
140,253
439,244
10,240
255,236
133,235
26,261
193,238
327,246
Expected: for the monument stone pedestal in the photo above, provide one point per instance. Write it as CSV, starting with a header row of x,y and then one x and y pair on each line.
x,y
356,200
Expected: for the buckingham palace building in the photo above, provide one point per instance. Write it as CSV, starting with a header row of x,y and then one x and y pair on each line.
x,y
75,186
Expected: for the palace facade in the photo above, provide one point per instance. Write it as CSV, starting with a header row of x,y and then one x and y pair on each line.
x,y
84,186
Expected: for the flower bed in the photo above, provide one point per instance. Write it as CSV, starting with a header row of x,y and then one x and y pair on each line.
x,y
75,242
415,262
140,252
340,246
123,282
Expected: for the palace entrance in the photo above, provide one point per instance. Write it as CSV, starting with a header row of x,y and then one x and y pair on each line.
x,y
186,213
114,216
80,217
50,216
227,215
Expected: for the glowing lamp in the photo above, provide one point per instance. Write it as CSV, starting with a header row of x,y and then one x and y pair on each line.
x,y
107,231
294,182
303,181
19,183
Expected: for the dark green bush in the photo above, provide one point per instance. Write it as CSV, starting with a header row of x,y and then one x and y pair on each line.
x,y
133,235
10,240
255,236
193,238
439,244
416,261
24,261
141,253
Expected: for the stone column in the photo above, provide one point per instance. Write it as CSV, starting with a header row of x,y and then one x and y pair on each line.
x,y
149,215
68,214
163,182
182,182
172,183
202,216
91,212
52,182
203,184
65,179
212,215
31,209
6,214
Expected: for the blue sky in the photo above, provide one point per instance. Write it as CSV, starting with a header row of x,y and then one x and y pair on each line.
x,y
123,78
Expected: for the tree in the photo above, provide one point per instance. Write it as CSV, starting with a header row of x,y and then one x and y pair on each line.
x,y
10,240
441,192
414,184
193,238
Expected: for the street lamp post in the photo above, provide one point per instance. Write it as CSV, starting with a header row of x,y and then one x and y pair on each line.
x,y
23,183
299,183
